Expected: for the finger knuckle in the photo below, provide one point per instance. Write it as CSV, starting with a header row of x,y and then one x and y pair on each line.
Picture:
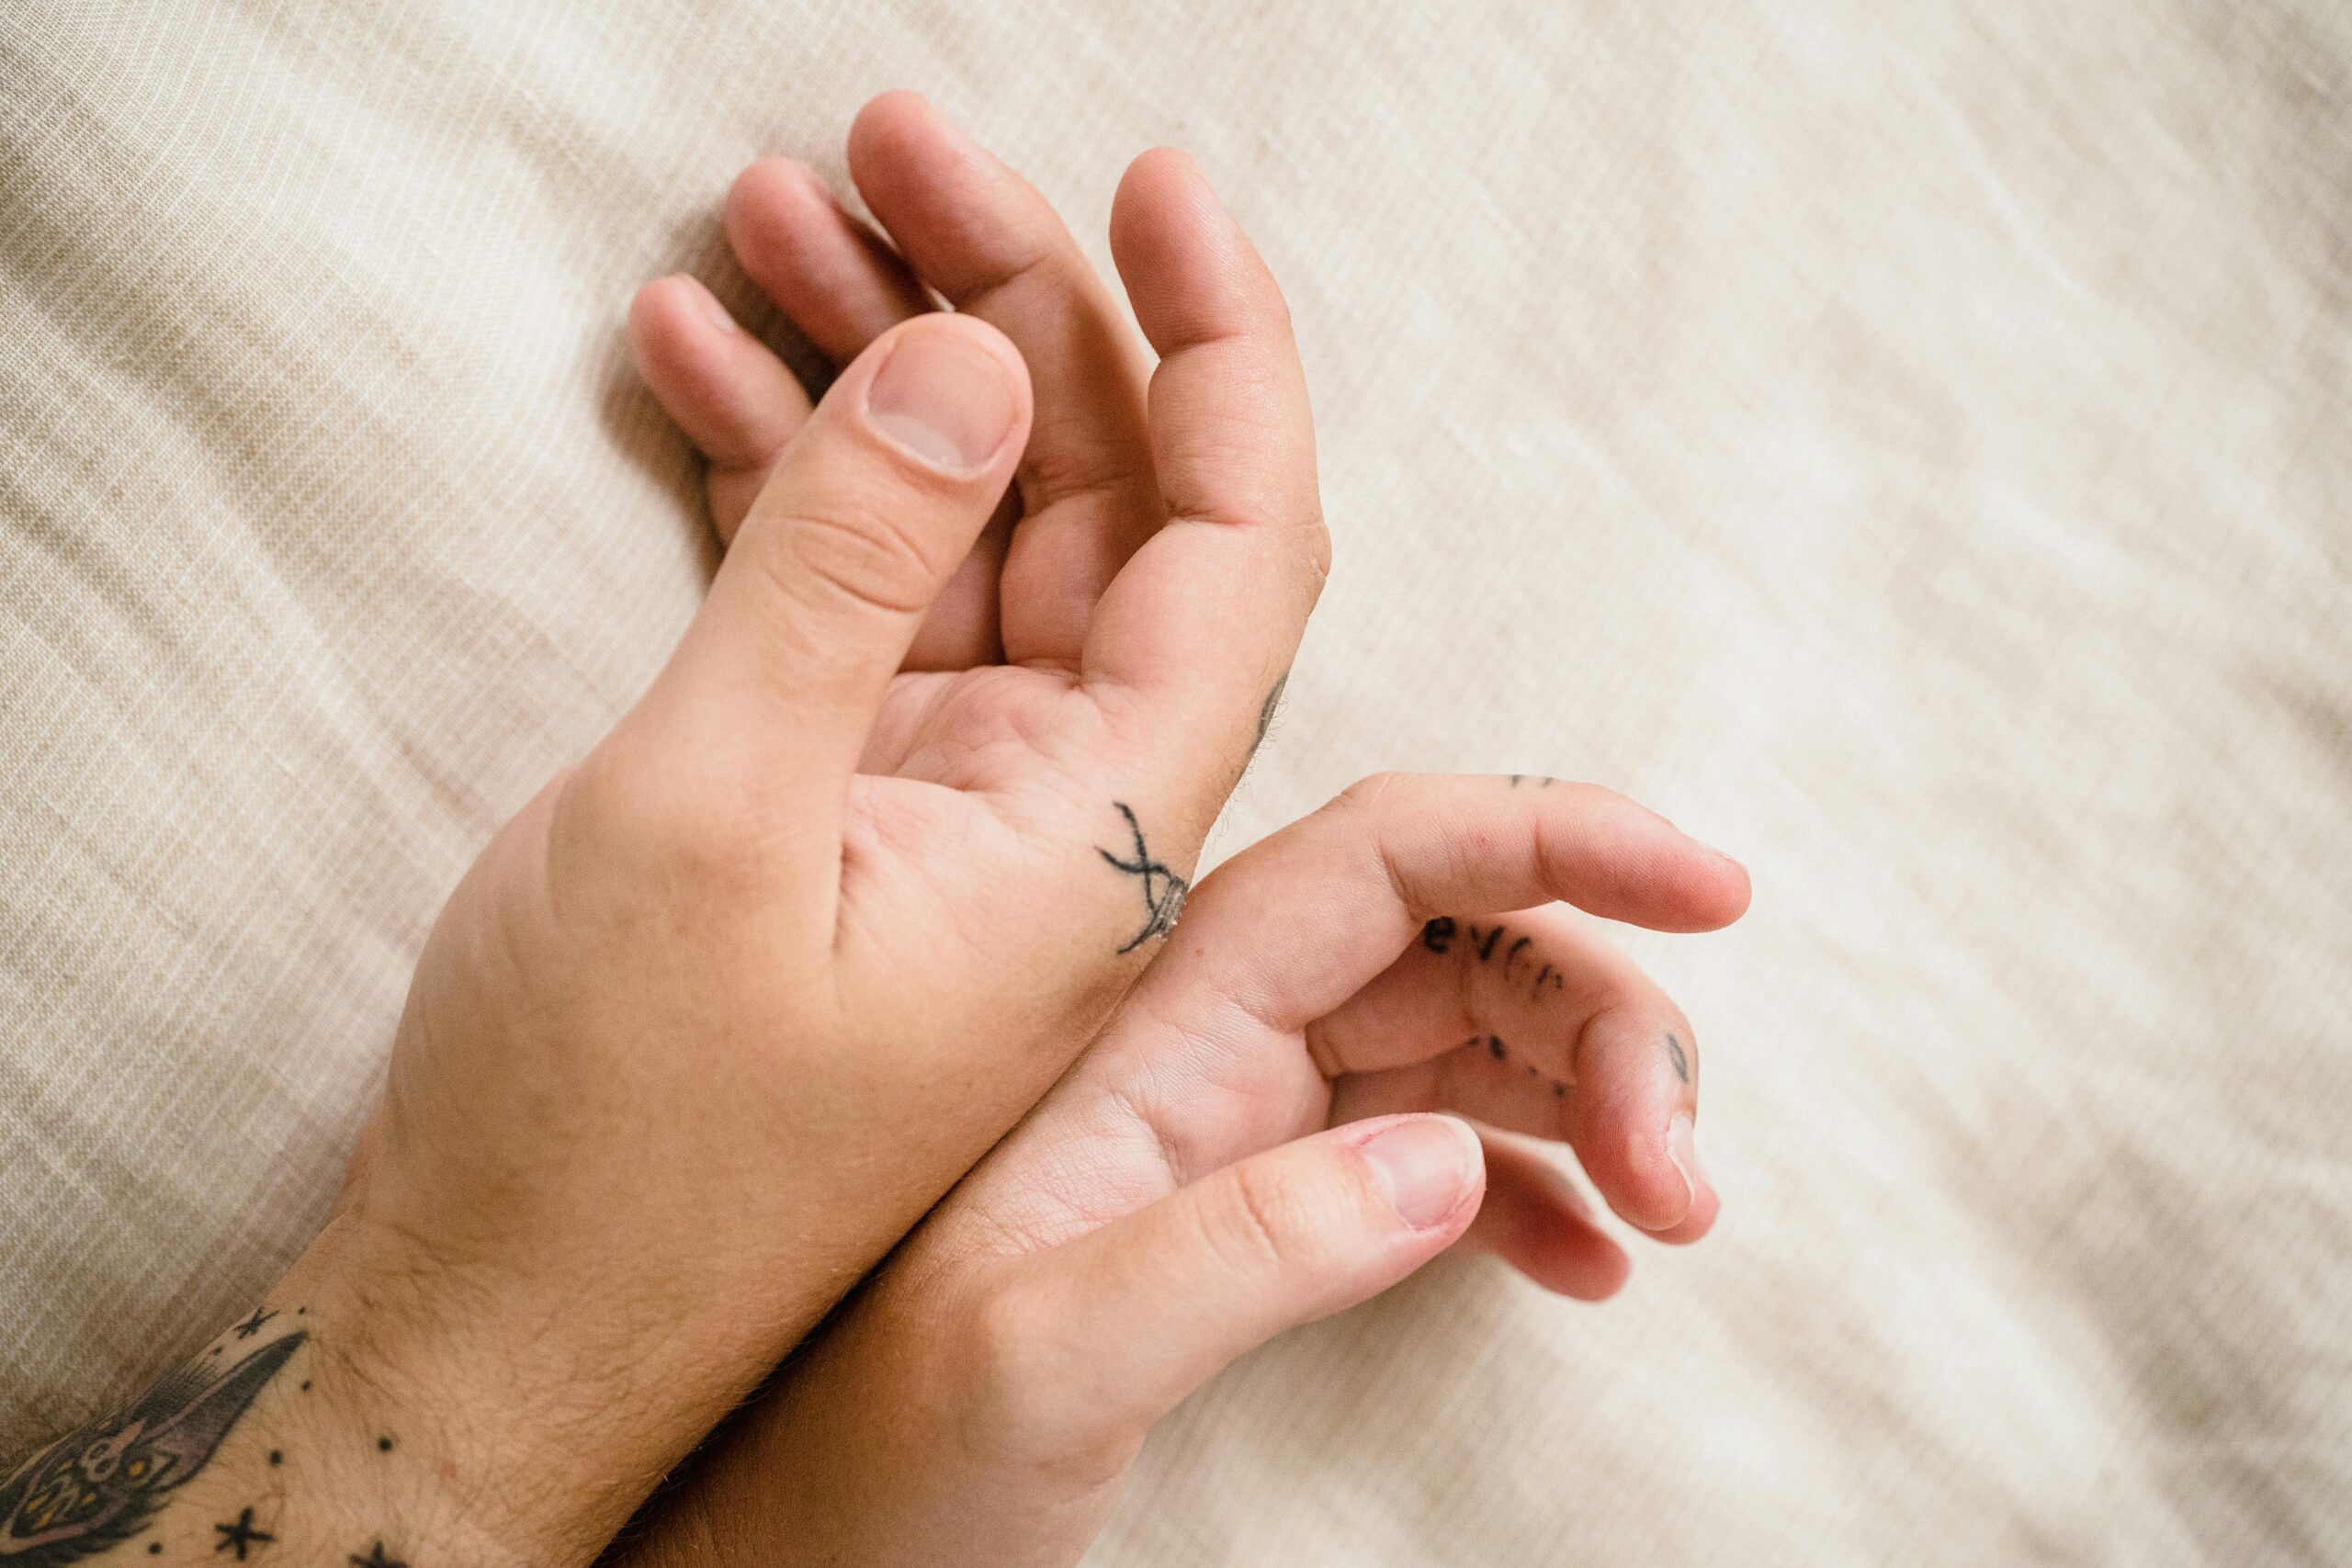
x,y
1256,1229
861,555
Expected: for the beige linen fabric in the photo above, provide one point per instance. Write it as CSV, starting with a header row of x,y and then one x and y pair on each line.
x,y
1906,444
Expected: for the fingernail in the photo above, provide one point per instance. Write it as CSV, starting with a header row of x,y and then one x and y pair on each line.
x,y
1424,1165
942,399
1684,1152
718,314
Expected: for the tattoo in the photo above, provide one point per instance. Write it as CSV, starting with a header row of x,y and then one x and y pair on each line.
x,y
1438,936
1163,890
240,1535
1538,780
252,1326
378,1558
98,1486
1266,709
1494,1047
1674,1055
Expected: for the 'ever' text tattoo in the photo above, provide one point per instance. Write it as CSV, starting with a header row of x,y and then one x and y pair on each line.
x,y
1163,890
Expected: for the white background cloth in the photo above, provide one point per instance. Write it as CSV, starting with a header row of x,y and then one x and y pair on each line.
x,y
1907,445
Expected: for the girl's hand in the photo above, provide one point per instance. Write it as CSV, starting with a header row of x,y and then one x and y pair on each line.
x,y
1249,1147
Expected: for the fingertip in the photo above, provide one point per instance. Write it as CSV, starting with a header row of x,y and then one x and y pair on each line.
x,y
1652,1192
1726,892
665,316
765,189
1622,1132
1536,1219
1431,1169
886,136
1161,195
1670,881
1704,1210
947,388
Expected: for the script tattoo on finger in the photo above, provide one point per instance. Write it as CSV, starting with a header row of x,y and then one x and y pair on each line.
x,y
1534,781
1487,945
1674,1055
1163,890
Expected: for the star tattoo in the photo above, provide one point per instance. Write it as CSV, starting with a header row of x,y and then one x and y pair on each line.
x,y
240,1535
252,1326
376,1558
1163,890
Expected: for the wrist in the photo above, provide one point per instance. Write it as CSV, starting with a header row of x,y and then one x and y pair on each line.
x,y
360,1458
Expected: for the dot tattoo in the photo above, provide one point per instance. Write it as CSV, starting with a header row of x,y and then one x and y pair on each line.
x,y
1163,890
1492,1044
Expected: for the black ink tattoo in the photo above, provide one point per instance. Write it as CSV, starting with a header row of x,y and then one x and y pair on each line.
x,y
1538,780
1674,1055
96,1487
1266,709
378,1558
1438,935
240,1535
253,1324
1493,1045
1163,890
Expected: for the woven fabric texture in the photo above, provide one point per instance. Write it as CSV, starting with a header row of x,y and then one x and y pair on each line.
x,y
1910,446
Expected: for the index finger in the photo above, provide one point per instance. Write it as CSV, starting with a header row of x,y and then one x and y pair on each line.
x,y
1205,616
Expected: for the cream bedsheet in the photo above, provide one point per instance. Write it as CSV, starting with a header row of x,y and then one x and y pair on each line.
x,y
1907,444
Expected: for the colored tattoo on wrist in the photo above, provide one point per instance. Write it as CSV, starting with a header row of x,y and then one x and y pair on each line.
x,y
110,1479
103,1484
1163,890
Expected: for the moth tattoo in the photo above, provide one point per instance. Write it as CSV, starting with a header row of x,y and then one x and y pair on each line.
x,y
96,1488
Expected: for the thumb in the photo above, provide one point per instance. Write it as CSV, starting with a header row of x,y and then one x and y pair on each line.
x,y
869,512
1137,1316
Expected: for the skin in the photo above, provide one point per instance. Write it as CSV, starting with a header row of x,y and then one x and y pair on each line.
x,y
1204,1177
985,1393
723,1011
728,1007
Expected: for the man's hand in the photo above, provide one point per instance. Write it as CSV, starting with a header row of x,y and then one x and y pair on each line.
x,y
714,1021
1248,1148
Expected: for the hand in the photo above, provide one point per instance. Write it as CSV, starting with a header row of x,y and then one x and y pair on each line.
x,y
725,1009
1172,1203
